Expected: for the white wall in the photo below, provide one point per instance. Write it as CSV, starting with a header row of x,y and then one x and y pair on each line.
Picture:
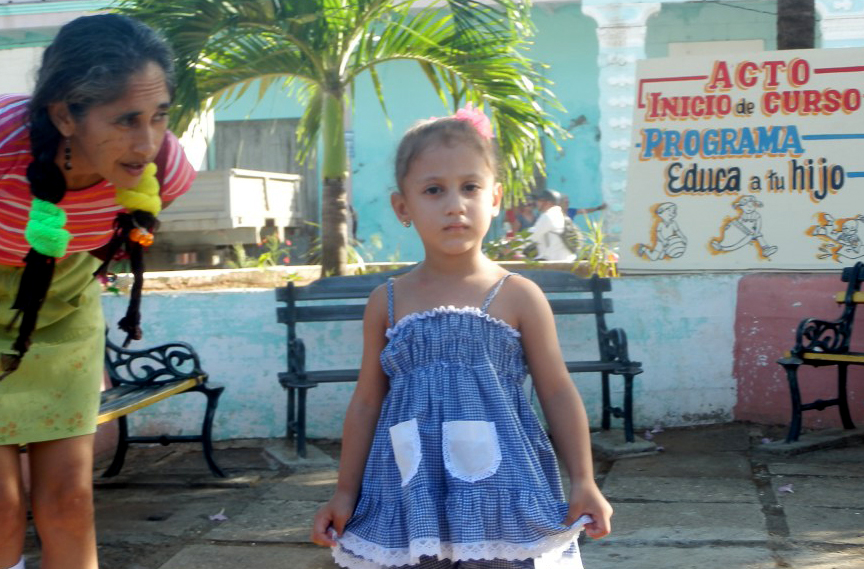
x,y
19,67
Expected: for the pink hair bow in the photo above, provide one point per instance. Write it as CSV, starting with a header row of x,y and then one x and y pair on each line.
x,y
477,118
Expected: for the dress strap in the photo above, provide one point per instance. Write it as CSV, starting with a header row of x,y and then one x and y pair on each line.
x,y
494,292
390,318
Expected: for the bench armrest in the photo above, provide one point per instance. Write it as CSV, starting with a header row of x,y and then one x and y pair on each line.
x,y
297,357
829,336
613,346
160,364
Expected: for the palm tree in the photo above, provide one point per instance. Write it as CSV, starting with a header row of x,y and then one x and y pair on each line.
x,y
796,24
469,50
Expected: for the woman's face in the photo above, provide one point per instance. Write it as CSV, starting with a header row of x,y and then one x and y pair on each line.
x,y
116,140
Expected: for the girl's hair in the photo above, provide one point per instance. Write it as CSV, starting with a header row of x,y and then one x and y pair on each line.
x,y
448,131
88,64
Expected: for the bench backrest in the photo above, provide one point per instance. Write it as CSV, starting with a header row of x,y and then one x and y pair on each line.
x,y
314,308
854,276
834,336
167,363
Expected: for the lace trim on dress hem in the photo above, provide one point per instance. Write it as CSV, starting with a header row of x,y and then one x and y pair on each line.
x,y
357,553
472,310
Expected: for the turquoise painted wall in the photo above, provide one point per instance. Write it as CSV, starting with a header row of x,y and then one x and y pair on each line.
x,y
409,97
710,21
566,41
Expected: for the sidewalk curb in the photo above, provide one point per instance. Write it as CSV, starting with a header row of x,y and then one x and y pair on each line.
x,y
611,445
817,440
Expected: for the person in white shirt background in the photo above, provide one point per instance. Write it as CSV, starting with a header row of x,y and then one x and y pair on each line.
x,y
548,231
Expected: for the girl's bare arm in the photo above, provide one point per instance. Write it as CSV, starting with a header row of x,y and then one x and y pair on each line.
x,y
360,422
562,406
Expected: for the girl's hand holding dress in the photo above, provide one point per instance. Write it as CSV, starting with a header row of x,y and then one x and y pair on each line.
x,y
587,499
332,517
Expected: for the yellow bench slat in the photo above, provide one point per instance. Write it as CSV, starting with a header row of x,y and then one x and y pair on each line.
x,y
152,397
851,358
857,298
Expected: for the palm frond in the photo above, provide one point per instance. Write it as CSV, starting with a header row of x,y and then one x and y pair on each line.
x,y
487,70
310,122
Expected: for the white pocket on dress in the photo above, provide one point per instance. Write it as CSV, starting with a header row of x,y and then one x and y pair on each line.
x,y
405,439
471,449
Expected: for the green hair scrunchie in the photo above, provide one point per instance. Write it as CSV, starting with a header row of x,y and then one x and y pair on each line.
x,y
45,230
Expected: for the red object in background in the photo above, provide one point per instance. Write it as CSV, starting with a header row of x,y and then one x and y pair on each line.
x,y
510,217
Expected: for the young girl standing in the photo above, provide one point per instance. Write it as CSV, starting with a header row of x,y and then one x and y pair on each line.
x,y
444,463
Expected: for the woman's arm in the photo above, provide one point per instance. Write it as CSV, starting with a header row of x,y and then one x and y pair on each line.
x,y
562,406
360,422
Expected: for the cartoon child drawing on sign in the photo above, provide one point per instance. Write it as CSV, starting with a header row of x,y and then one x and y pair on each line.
x,y
841,238
669,241
743,230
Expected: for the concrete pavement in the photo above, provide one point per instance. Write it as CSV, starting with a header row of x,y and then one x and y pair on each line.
x,y
712,497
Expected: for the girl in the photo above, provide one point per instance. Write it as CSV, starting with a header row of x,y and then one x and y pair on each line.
x,y
96,122
456,470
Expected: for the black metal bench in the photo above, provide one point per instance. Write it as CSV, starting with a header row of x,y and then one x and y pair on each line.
x,y
570,295
826,343
140,378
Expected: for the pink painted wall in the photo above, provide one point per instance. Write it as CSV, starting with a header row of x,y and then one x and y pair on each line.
x,y
770,306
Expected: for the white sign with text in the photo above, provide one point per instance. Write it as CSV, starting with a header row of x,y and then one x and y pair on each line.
x,y
752,161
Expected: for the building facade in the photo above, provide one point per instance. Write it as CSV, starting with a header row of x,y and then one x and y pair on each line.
x,y
590,47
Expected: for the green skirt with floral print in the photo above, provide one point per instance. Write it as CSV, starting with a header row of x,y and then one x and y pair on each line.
x,y
54,394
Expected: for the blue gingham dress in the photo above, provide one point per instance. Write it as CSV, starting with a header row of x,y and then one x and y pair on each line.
x,y
460,467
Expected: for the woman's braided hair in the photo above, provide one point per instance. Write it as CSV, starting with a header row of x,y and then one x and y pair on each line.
x,y
88,64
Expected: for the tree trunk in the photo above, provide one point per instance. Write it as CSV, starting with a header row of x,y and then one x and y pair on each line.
x,y
334,205
796,24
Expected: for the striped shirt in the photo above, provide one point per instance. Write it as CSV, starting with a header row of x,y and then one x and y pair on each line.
x,y
90,212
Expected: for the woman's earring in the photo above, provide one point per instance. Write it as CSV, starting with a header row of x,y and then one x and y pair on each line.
x,y
67,155
406,223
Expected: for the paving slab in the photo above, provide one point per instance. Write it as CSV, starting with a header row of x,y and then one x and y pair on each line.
x,y
852,455
171,492
600,556
285,454
852,558
269,521
813,441
821,468
827,491
708,501
813,524
611,445
670,524
681,464
733,437
316,486
251,557
140,521
619,487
